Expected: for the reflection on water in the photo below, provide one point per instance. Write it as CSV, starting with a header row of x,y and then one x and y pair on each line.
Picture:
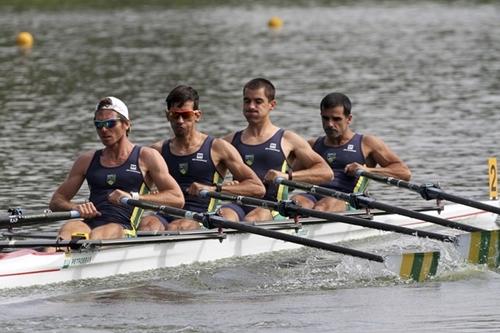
x,y
422,76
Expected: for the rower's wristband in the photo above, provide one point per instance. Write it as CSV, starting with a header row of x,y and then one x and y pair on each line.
x,y
134,195
218,188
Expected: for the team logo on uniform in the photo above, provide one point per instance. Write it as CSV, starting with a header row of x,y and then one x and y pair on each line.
x,y
110,179
330,157
183,168
199,156
249,159
350,148
273,147
133,167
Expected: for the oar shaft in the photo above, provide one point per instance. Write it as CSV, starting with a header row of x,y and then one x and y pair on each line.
x,y
289,208
84,243
424,217
12,220
465,201
430,191
361,201
221,223
213,221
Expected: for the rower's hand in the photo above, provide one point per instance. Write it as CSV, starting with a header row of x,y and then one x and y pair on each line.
x,y
87,210
115,196
351,168
272,174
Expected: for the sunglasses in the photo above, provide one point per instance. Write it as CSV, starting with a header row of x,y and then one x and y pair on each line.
x,y
108,123
186,115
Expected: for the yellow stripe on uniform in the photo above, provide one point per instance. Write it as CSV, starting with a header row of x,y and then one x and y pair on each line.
x,y
212,205
282,193
361,185
136,216
283,190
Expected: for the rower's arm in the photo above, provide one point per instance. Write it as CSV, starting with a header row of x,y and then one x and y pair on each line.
x,y
247,182
380,159
61,199
307,165
168,191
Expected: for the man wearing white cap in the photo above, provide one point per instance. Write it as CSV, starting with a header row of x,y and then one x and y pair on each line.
x,y
120,169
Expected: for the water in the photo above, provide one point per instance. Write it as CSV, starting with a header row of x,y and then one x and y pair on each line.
x,y
422,76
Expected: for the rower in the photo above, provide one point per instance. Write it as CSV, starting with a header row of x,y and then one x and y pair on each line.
x,y
347,152
270,150
198,161
119,169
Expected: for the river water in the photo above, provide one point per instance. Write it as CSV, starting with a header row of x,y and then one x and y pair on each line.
x,y
422,76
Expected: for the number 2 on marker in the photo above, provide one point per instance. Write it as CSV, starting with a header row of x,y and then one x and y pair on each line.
x,y
492,170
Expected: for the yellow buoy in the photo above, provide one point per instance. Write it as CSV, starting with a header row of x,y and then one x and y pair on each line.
x,y
275,22
24,40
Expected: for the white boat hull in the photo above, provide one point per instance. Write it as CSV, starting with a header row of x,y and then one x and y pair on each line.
x,y
28,267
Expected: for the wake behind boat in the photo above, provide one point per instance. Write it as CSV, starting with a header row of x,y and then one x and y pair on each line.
x,y
80,259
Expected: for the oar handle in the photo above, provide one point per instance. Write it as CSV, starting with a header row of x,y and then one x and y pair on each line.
x,y
47,216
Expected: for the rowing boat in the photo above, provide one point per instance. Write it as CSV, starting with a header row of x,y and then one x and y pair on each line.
x,y
104,258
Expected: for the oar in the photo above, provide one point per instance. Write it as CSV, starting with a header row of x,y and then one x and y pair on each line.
x,y
417,266
18,218
76,244
291,209
480,247
358,200
429,191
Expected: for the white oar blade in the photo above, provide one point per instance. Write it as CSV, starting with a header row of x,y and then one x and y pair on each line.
x,y
417,266
481,247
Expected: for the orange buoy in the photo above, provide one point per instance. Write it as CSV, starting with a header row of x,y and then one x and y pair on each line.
x,y
275,22
24,40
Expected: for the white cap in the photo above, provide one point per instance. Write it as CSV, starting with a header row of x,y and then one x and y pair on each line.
x,y
113,103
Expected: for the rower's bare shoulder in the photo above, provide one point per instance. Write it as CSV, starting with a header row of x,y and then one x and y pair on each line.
x,y
372,142
83,160
311,141
223,149
294,140
220,144
229,137
149,154
157,145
